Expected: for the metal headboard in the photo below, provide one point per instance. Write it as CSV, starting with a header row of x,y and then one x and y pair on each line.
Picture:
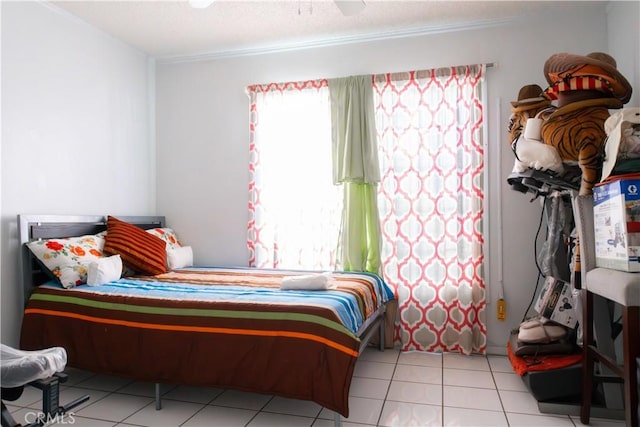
x,y
34,227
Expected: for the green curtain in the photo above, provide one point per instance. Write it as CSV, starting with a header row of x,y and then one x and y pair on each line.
x,y
359,240
356,167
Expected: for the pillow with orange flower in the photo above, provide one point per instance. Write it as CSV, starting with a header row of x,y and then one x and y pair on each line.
x,y
68,259
168,235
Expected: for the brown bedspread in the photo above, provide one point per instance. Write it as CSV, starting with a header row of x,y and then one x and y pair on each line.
x,y
297,350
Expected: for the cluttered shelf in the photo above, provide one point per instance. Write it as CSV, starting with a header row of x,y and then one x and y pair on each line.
x,y
575,139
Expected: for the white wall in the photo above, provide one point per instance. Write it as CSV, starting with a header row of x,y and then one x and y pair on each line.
x,y
76,129
623,24
203,134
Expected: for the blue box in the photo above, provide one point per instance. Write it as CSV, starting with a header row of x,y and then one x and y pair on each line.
x,y
616,214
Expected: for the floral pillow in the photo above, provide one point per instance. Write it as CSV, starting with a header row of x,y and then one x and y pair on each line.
x,y
168,235
68,259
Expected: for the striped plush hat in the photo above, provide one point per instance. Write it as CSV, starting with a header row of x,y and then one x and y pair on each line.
x,y
595,71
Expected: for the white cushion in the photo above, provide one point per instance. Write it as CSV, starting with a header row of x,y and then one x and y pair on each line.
x,y
180,257
619,286
104,270
308,282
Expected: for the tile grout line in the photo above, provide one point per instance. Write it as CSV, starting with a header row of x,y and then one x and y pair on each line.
x,y
442,388
205,405
386,395
495,384
259,410
127,394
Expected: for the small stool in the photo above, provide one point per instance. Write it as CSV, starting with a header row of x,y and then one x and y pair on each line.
x,y
622,288
41,369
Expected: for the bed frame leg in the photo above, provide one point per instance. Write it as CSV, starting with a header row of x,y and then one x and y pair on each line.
x,y
158,401
337,419
382,338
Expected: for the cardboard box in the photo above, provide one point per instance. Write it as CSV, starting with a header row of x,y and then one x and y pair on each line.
x,y
556,302
616,215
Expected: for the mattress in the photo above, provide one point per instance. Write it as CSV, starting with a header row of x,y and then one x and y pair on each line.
x,y
215,327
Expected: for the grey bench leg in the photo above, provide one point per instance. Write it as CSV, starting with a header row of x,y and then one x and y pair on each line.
x,y
158,401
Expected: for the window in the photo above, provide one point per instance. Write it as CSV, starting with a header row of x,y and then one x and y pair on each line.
x,y
294,207
429,130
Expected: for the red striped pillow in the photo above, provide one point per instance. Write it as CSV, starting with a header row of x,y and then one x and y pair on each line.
x,y
143,252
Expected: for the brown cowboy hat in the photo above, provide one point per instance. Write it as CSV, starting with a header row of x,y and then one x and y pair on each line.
x,y
530,97
561,66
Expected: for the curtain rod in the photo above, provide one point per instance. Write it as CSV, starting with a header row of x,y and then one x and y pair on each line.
x,y
491,65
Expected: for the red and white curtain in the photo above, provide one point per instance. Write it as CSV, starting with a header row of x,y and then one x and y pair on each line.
x,y
431,205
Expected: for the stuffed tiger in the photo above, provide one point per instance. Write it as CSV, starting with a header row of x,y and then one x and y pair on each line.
x,y
516,125
578,135
586,87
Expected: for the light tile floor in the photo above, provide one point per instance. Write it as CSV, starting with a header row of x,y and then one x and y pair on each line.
x,y
389,389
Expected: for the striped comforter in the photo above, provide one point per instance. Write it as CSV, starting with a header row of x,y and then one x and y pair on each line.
x,y
229,328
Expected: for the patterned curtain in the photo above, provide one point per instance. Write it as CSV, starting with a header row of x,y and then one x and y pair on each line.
x,y
431,205
294,208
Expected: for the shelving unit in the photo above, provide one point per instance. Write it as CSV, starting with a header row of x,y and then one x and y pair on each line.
x,y
558,391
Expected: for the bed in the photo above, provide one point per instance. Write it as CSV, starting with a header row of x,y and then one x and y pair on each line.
x,y
217,327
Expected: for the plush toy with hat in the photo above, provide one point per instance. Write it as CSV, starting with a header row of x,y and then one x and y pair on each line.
x,y
524,132
531,101
585,88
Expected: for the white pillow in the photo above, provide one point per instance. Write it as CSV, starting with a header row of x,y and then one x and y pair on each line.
x,y
104,270
179,257
308,282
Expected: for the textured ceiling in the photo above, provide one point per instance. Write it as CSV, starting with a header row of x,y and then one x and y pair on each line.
x,y
172,29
